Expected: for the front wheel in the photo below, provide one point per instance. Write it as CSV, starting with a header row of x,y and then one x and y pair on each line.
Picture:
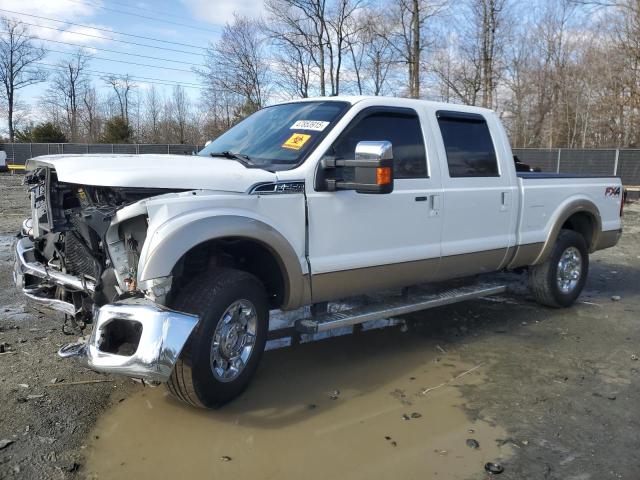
x,y
224,350
558,281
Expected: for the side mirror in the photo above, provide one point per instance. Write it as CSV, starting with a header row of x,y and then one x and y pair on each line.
x,y
373,169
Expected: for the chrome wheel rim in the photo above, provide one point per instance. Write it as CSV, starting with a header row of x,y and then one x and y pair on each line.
x,y
233,340
569,270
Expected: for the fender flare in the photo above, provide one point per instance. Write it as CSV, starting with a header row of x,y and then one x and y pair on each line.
x,y
572,207
179,235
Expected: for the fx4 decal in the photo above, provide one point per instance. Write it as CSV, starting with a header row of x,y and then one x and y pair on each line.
x,y
612,192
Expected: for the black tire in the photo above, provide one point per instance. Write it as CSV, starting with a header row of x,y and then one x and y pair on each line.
x,y
208,296
543,277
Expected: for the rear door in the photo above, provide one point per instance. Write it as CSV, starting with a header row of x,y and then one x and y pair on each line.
x,y
480,193
363,242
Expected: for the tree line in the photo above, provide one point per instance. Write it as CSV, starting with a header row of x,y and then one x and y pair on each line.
x,y
560,73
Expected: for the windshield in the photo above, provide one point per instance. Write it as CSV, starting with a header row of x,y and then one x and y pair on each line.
x,y
278,137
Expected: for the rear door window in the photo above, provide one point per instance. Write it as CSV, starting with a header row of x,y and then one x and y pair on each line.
x,y
468,144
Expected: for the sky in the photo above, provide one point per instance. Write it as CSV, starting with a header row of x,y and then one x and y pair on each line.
x,y
100,24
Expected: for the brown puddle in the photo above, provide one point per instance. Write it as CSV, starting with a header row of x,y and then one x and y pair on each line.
x,y
287,426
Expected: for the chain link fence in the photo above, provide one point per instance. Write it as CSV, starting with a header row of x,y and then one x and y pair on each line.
x,y
621,162
624,163
19,153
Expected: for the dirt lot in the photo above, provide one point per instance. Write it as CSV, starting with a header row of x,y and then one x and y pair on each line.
x,y
549,394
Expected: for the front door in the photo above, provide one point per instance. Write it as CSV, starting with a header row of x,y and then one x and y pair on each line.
x,y
366,242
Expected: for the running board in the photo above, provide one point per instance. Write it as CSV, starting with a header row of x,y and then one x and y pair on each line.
x,y
377,311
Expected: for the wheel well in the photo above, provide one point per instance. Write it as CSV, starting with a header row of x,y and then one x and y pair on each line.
x,y
582,223
234,252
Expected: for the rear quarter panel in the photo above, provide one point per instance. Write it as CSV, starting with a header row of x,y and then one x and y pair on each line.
x,y
545,200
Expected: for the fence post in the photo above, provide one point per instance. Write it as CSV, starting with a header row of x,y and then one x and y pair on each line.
x,y
558,161
615,162
167,149
112,148
137,149
30,150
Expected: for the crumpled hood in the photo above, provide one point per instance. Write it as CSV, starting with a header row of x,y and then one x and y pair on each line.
x,y
154,171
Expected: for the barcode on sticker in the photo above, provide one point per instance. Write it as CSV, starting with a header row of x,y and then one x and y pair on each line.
x,y
315,125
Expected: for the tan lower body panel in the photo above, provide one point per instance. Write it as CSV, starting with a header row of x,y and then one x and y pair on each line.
x,y
608,239
346,283
525,255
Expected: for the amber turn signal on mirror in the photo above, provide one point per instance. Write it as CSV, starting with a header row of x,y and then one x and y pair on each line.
x,y
383,175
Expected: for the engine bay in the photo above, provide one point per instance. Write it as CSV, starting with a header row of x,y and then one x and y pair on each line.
x,y
69,229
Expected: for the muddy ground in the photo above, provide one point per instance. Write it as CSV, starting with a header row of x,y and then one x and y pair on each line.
x,y
549,394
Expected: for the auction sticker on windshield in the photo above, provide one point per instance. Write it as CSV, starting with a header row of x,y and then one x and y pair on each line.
x,y
315,125
296,141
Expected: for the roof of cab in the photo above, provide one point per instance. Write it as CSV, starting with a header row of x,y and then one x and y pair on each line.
x,y
396,101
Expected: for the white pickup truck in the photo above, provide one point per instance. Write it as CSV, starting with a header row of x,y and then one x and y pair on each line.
x,y
178,261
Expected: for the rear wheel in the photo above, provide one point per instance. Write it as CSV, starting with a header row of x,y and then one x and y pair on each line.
x,y
559,280
224,350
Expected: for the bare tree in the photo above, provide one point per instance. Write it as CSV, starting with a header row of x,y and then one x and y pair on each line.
x,y
122,86
237,65
470,65
152,115
180,106
343,28
292,65
67,90
410,42
626,38
90,114
459,74
488,13
303,25
19,58
294,45
371,53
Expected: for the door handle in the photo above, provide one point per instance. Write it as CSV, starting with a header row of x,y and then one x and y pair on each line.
x,y
434,205
505,202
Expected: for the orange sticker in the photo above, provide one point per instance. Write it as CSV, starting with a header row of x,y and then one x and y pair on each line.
x,y
296,141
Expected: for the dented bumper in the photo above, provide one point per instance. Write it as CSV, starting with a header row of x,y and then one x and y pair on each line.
x,y
136,338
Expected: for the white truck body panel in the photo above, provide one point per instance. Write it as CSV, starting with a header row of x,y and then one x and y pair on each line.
x,y
350,231
480,214
154,171
283,213
545,198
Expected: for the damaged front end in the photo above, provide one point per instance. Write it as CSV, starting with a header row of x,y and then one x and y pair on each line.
x,y
78,254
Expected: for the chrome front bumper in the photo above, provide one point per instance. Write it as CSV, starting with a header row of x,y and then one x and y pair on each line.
x,y
163,335
162,332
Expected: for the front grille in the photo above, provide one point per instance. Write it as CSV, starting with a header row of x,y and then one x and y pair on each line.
x,y
77,259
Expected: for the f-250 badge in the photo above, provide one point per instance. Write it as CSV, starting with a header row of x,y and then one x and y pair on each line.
x,y
612,192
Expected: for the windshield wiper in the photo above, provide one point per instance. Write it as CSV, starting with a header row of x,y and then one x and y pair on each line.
x,y
241,157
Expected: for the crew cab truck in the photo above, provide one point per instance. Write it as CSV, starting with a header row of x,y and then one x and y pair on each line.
x,y
178,261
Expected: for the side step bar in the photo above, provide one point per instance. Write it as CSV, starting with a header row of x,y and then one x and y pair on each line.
x,y
377,311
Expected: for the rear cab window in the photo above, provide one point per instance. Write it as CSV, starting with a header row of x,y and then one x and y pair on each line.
x,y
468,145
